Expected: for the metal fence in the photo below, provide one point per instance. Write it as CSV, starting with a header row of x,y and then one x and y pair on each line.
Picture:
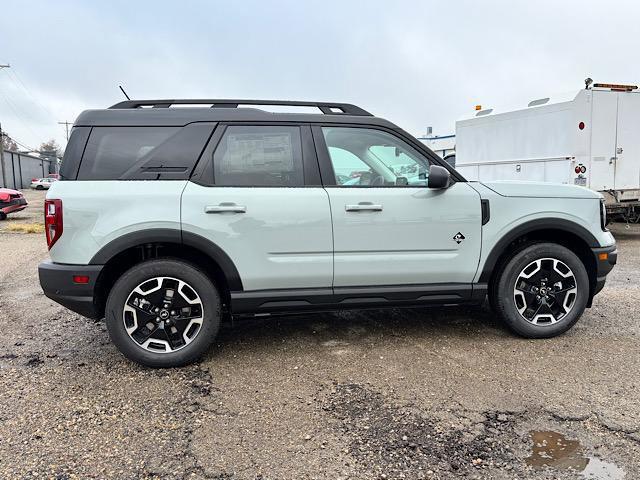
x,y
17,169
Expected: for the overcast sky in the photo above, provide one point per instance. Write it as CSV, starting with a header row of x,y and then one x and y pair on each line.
x,y
416,63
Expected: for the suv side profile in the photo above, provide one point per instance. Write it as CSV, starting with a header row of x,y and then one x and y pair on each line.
x,y
168,219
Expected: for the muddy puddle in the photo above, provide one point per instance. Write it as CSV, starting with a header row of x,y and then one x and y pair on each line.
x,y
554,450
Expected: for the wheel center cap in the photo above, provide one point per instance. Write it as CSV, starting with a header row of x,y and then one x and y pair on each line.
x,y
164,314
543,291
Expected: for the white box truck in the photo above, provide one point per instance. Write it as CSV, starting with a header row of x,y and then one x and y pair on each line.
x,y
590,139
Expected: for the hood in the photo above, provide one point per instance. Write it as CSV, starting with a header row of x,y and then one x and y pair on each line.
x,y
6,193
540,189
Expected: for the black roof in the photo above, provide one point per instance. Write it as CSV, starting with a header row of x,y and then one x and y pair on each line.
x,y
173,113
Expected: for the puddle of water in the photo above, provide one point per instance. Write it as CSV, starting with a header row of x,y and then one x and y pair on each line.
x,y
552,449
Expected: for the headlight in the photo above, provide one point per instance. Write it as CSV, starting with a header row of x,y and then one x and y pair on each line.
x,y
603,215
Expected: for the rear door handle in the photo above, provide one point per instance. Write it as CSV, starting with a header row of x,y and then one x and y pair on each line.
x,y
224,208
363,207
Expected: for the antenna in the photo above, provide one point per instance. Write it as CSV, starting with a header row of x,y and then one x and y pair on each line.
x,y
123,92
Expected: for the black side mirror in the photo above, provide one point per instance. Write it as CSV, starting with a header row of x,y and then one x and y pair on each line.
x,y
439,177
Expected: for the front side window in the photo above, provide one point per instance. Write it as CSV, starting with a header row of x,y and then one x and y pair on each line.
x,y
364,157
256,156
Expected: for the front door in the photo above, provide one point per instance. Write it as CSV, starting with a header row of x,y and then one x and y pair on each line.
x,y
388,227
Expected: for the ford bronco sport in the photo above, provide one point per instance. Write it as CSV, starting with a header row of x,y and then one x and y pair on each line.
x,y
168,219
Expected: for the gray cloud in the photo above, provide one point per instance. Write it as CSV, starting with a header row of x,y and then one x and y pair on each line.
x,y
418,63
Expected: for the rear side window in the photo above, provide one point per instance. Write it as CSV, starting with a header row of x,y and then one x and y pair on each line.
x,y
259,156
112,151
73,153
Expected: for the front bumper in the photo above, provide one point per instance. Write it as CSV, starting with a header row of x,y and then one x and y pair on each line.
x,y
606,258
14,205
57,283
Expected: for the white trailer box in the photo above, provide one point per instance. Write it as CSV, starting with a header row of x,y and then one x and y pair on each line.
x,y
590,139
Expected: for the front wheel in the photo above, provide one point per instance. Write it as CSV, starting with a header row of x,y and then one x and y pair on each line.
x,y
163,313
542,291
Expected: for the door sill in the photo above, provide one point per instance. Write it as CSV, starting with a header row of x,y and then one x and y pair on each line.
x,y
340,298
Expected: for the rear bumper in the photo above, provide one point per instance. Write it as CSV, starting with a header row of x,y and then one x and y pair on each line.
x,y
57,283
606,259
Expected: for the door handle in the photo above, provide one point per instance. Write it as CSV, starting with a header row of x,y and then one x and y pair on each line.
x,y
224,208
363,207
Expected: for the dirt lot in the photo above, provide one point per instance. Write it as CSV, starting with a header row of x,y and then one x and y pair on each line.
x,y
425,393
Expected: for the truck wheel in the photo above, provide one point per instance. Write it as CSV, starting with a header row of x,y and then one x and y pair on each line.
x,y
163,313
542,291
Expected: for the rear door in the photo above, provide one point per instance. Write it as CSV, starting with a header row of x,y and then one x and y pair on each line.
x,y
256,194
388,227
603,140
627,163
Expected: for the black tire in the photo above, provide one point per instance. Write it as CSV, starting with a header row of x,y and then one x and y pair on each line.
x,y
39,187
3,216
197,280
504,295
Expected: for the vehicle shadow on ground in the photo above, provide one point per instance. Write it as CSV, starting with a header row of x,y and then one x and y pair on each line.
x,y
428,323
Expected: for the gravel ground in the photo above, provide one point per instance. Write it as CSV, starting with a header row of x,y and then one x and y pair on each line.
x,y
423,393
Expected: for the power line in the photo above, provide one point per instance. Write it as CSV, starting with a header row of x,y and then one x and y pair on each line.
x,y
28,92
16,111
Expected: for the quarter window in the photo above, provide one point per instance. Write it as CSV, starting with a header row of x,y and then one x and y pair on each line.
x,y
111,151
364,157
259,156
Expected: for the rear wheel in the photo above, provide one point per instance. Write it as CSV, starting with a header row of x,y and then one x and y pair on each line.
x,y
163,313
3,216
542,291
39,187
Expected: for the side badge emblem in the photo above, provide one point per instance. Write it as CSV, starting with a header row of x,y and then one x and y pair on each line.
x,y
458,237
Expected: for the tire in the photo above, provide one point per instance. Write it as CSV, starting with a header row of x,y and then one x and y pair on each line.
x,y
188,326
542,291
39,187
3,216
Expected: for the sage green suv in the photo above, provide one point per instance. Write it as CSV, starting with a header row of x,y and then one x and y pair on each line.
x,y
167,219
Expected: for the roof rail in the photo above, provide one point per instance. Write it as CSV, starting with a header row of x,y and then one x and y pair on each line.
x,y
325,107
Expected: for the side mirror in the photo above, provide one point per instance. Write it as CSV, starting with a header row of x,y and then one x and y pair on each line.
x,y
439,177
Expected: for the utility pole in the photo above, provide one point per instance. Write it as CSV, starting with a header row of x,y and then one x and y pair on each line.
x,y
66,124
4,175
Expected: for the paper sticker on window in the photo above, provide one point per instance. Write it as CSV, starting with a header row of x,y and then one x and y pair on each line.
x,y
263,152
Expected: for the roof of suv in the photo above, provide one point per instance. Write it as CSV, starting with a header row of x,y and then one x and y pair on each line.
x,y
170,113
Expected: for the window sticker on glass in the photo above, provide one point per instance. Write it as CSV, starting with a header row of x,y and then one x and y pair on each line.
x,y
270,152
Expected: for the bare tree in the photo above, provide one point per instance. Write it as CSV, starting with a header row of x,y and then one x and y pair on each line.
x,y
8,143
50,148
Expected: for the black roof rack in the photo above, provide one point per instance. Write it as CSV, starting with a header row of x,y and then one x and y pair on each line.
x,y
325,107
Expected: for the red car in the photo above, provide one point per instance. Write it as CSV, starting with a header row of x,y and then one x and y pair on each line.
x,y
11,201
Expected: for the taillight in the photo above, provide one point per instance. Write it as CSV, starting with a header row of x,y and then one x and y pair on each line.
x,y
52,221
577,169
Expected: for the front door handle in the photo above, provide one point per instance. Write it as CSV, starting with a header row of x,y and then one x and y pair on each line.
x,y
224,208
363,207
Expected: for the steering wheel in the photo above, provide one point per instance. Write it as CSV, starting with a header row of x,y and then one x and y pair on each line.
x,y
377,181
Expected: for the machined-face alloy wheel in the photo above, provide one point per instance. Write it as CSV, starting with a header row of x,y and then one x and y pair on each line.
x,y
163,314
545,291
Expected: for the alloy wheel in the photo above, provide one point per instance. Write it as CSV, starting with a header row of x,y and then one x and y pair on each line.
x,y
163,314
545,291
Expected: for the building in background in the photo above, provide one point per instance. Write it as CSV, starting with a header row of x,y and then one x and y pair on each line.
x,y
18,169
442,145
